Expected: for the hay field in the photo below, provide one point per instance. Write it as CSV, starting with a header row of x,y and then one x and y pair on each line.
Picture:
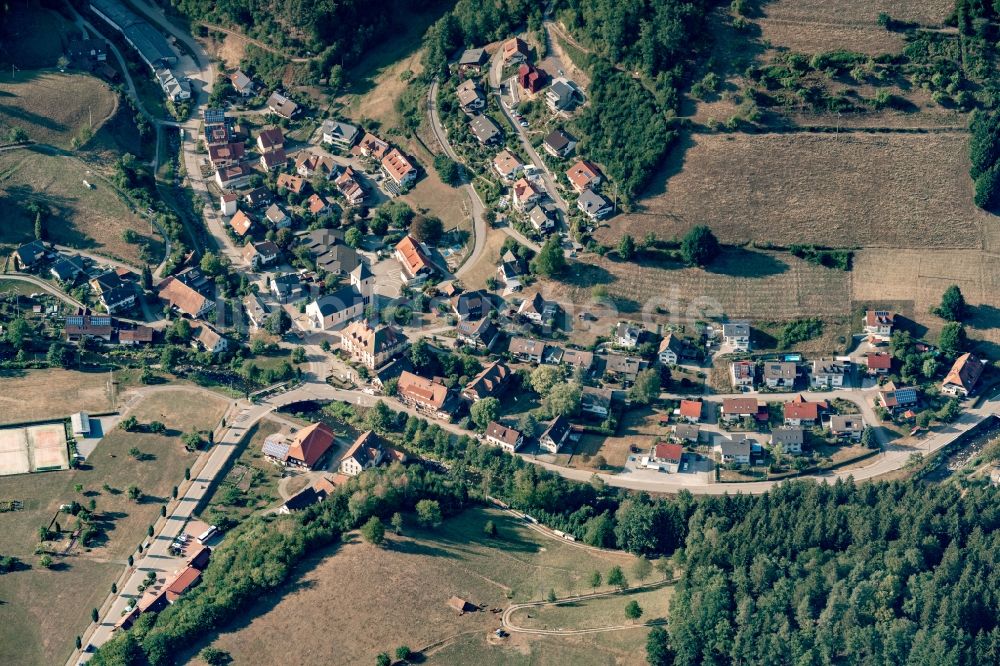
x,y
44,609
741,283
858,189
51,394
54,108
408,583
620,648
87,219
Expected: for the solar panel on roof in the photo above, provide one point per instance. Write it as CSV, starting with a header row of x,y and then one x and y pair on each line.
x,y
276,449
214,116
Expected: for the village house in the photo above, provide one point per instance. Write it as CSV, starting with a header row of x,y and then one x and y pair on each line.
x,y
624,369
506,438
472,304
802,412
271,138
317,205
489,383
579,358
333,310
136,335
507,165
525,193
241,224
690,411
478,333
233,177
426,395
530,78
538,310
509,274
308,164
228,202
372,347
780,374
367,451
559,143
470,97
256,310
273,159
878,325
562,95
242,84
118,299
685,432
829,374
79,327
583,176
281,105
665,457
472,60
372,146
306,448
349,186
29,254
277,217
848,427
207,338
596,401
258,197
67,268
961,380
741,373
733,451
671,349
226,154
627,335
896,399
183,298
735,409
413,260
515,51
736,335
340,133
398,168
594,205
788,440
541,219
287,287
555,435
878,363
526,349
484,129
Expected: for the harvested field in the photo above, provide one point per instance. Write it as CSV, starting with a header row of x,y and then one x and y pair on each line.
x,y
55,394
88,219
851,12
55,108
409,582
740,284
621,648
595,613
919,277
857,189
44,609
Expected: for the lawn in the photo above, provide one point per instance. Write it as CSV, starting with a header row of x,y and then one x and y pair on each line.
x,y
54,394
43,610
255,479
595,613
55,108
406,587
91,219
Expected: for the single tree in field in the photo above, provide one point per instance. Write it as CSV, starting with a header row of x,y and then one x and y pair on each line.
x,y
397,522
626,247
429,513
952,305
383,659
426,229
403,653
373,531
490,529
45,561
595,579
699,246
551,597
616,578
133,493
94,614
641,569
633,611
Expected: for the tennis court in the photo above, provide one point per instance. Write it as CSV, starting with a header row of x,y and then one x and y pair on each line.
x,y
37,448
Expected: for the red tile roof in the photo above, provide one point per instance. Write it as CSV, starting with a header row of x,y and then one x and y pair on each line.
x,y
691,409
669,452
414,259
878,361
310,443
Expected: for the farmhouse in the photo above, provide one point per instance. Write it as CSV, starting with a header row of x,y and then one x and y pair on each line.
x,y
555,435
665,457
507,165
138,335
413,260
594,205
788,439
427,395
527,349
506,438
303,449
489,383
282,106
470,97
372,347
484,129
961,380
398,168
671,348
183,298
559,143
583,176
477,333
878,325
367,451
780,374
335,131
737,335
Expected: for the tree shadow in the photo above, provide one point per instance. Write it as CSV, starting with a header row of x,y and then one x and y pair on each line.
x,y
586,276
983,316
741,262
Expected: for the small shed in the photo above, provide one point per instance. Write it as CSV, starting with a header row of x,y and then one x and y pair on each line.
x,y
81,424
461,605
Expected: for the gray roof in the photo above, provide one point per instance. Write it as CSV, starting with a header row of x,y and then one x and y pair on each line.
x,y
557,430
340,300
788,436
736,329
147,40
558,139
591,202
473,57
345,131
30,252
729,447
484,128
